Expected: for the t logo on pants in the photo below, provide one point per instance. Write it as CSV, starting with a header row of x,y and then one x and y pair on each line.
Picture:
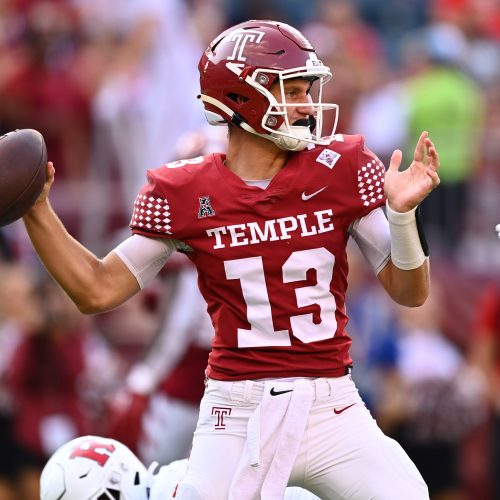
x,y
220,413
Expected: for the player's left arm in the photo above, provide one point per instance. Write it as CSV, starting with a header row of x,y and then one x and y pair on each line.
x,y
406,287
406,274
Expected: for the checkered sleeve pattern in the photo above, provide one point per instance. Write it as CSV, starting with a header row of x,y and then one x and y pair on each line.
x,y
151,214
371,177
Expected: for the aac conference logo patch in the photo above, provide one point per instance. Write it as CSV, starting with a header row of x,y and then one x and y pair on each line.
x,y
205,209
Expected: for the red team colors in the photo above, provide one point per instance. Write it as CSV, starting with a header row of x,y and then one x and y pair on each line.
x,y
272,263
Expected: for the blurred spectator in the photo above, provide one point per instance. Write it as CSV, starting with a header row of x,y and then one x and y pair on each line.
x,y
47,370
393,20
294,12
435,402
209,18
354,52
480,22
445,101
9,32
485,354
42,91
43,379
130,328
440,97
481,246
380,116
16,315
148,52
40,88
476,15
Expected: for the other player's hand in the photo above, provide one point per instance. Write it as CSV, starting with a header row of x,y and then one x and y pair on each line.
x,y
406,189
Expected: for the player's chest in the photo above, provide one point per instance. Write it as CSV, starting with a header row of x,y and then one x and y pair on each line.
x,y
284,218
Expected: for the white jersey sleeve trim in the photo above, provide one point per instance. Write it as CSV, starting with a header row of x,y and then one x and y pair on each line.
x,y
372,235
144,256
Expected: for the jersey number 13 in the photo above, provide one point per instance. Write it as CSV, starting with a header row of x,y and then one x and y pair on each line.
x,y
250,272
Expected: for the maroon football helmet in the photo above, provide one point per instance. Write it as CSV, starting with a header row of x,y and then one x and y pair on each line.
x,y
238,69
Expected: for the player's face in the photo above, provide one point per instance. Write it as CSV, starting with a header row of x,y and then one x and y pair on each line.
x,y
296,90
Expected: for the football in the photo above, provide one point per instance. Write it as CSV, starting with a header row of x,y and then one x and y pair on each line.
x,y
23,160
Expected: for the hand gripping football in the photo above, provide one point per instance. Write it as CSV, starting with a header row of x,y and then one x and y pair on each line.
x,y
23,160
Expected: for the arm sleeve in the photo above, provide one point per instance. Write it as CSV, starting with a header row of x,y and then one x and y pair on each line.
x,y
144,256
371,234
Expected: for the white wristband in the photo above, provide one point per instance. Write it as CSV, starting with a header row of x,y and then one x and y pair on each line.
x,y
406,249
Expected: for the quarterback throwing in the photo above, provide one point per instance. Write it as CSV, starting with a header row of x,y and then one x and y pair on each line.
x,y
266,224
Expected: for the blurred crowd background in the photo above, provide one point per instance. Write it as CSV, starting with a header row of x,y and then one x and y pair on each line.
x,y
112,85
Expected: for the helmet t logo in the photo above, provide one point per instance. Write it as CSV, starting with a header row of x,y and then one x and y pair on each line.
x,y
241,38
94,451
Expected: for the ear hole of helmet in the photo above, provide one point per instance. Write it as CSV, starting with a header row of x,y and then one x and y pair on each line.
x,y
237,98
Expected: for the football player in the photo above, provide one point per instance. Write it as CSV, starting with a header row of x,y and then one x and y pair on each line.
x,y
93,468
266,225
99,468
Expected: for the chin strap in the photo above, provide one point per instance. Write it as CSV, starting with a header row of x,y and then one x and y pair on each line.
x,y
302,133
282,141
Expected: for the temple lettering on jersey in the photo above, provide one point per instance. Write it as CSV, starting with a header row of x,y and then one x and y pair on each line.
x,y
283,228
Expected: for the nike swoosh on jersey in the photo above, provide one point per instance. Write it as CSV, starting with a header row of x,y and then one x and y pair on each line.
x,y
277,393
338,412
306,197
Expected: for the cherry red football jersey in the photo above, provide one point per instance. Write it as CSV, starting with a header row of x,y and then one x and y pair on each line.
x,y
272,263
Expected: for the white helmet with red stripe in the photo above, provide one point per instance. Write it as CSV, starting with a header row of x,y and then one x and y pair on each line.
x,y
94,468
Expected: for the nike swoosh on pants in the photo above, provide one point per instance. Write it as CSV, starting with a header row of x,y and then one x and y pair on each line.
x,y
338,412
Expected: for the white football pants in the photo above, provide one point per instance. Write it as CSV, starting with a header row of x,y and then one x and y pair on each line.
x,y
343,454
